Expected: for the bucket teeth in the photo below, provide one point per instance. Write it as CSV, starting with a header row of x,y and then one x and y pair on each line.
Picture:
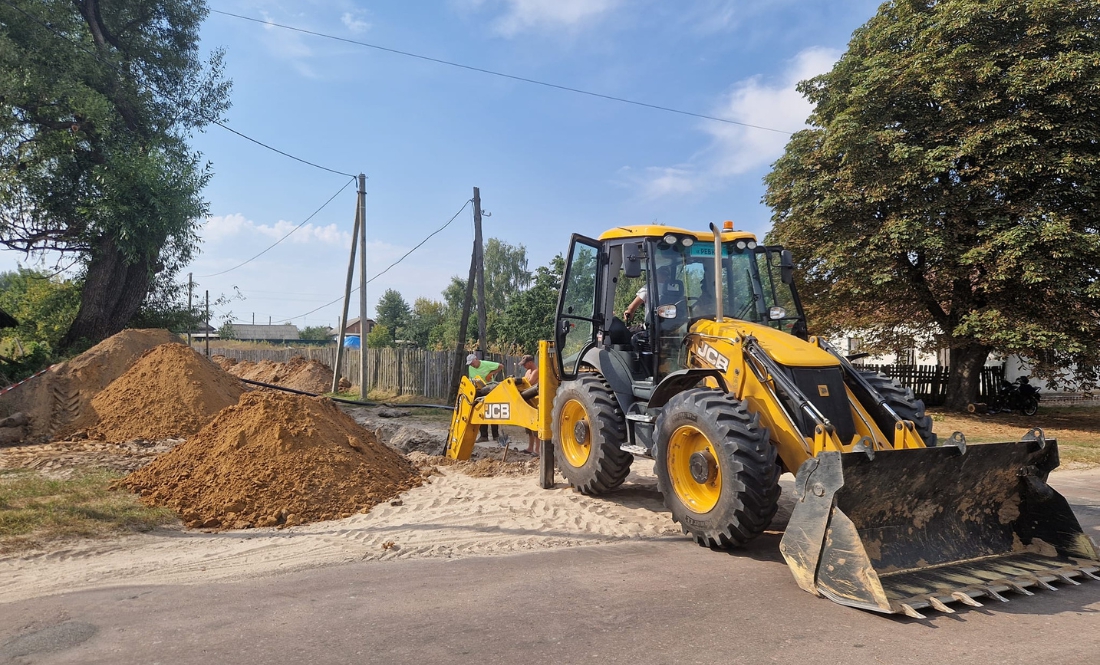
x,y
992,593
937,604
1068,580
1046,585
966,599
1019,588
1090,574
910,612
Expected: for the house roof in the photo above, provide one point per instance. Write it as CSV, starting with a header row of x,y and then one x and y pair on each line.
x,y
249,331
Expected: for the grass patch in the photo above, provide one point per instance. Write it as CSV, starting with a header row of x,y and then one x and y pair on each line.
x,y
36,510
1077,429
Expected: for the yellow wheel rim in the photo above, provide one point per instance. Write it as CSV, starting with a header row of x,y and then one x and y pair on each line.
x,y
686,442
576,433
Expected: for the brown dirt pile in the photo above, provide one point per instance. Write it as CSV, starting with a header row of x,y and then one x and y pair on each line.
x,y
58,401
274,459
171,391
297,373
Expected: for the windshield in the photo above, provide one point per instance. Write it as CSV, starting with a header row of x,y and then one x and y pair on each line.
x,y
751,287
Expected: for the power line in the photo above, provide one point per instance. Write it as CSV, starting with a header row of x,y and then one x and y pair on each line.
x,y
284,154
272,245
403,257
97,56
513,77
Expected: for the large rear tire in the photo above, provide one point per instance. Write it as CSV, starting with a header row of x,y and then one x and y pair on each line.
x,y
905,403
588,428
715,467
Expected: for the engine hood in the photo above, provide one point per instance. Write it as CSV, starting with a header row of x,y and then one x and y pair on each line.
x,y
785,349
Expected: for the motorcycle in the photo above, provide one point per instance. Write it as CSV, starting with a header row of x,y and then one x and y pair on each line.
x,y
1019,395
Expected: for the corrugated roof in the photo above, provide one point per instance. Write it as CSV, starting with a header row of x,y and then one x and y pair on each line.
x,y
249,331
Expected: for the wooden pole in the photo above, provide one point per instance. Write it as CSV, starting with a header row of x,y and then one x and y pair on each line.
x,y
207,331
190,312
347,302
463,324
362,287
479,252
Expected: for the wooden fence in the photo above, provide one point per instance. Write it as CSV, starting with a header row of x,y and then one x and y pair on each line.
x,y
404,371
929,382
399,371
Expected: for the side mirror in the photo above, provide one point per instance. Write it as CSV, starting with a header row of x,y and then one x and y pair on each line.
x,y
786,266
632,261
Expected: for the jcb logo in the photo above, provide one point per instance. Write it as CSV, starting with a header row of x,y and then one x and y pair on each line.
x,y
711,356
497,411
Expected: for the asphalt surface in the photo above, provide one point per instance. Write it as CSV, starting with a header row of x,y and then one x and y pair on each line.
x,y
670,602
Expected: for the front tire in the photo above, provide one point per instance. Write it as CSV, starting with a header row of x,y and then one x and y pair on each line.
x,y
588,429
1029,405
716,469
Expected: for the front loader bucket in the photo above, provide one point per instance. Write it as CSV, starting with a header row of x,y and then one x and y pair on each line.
x,y
909,529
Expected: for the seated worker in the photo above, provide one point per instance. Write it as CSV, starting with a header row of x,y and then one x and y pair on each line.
x,y
532,378
484,370
669,292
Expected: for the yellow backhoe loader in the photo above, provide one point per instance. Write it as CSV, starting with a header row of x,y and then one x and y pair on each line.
x,y
724,389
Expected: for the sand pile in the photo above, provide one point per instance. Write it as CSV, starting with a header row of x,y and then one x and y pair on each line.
x,y
297,373
57,402
274,459
171,391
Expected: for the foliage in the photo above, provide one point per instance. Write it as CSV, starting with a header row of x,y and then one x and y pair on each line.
x,y
44,305
426,323
393,314
946,189
166,307
317,333
226,331
530,316
506,275
97,101
379,337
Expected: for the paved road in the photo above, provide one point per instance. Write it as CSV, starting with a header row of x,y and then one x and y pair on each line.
x,y
629,603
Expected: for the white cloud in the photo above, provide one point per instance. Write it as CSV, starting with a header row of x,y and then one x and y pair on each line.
x,y
735,149
221,227
355,21
523,15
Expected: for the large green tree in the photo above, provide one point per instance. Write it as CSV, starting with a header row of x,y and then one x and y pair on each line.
x,y
947,187
97,101
392,313
530,314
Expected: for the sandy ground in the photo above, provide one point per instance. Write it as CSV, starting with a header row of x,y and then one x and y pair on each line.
x,y
452,516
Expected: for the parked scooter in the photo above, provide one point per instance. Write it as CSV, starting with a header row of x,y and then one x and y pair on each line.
x,y
1019,395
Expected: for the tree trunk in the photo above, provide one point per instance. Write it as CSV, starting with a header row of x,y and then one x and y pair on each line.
x,y
113,292
966,370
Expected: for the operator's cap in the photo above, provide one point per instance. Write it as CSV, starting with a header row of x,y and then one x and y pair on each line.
x,y
526,359
470,358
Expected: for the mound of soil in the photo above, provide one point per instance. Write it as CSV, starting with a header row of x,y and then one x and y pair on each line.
x,y
171,391
57,402
309,376
274,459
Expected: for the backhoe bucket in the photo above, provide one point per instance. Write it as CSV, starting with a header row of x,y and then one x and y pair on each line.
x,y
896,531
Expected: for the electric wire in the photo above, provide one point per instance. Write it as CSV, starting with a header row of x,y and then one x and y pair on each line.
x,y
481,70
96,55
272,245
403,257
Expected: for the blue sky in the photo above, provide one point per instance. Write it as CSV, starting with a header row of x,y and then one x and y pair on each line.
x,y
548,162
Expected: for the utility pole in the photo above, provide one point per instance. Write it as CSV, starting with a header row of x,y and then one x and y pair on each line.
x,y
347,301
207,338
363,287
190,312
479,250
464,322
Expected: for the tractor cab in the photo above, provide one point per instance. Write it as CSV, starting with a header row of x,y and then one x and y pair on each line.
x,y
665,278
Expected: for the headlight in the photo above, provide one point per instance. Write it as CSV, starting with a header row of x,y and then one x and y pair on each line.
x,y
670,239
741,244
752,244
688,242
